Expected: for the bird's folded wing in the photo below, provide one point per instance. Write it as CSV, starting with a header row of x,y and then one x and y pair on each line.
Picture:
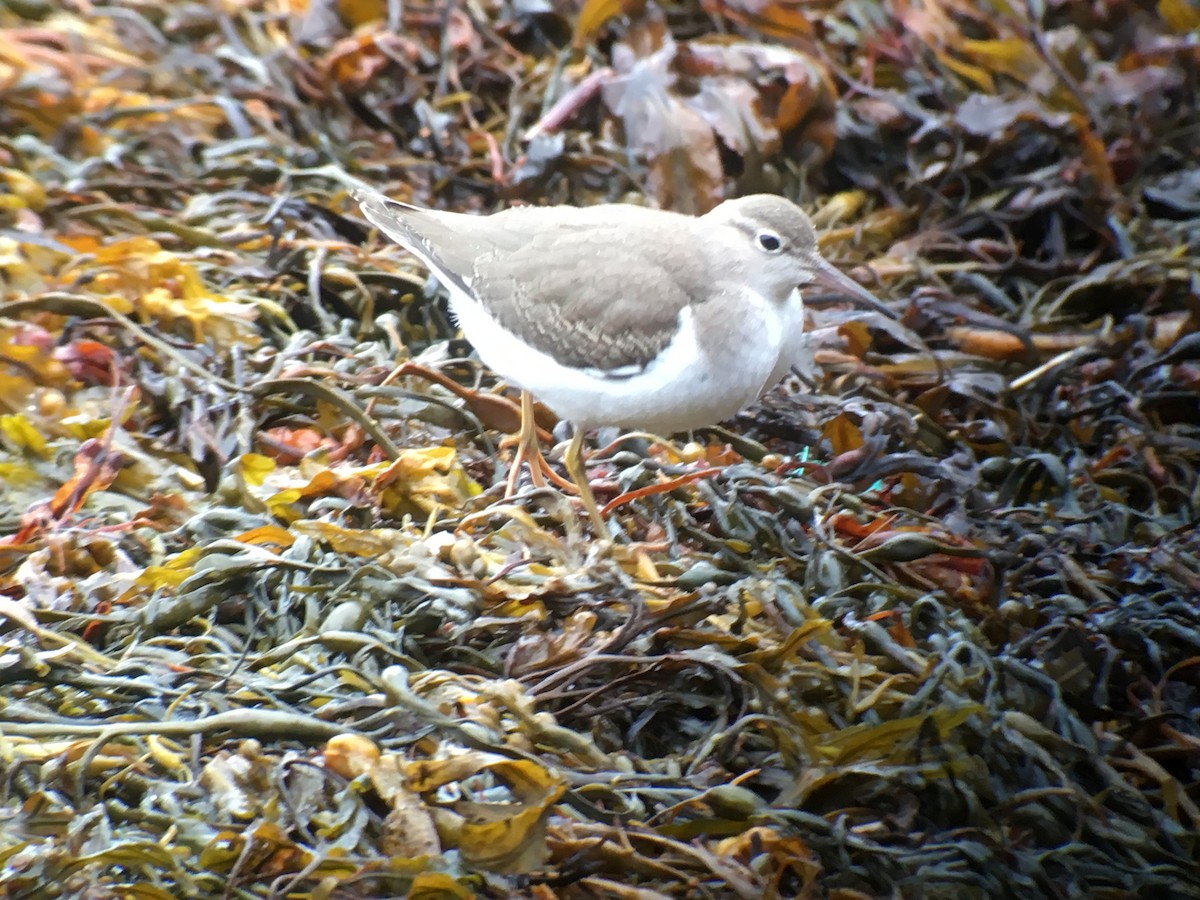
x,y
572,283
590,302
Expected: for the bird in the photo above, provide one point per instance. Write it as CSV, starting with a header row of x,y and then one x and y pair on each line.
x,y
623,315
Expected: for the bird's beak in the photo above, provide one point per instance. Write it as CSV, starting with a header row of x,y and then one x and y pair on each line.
x,y
831,278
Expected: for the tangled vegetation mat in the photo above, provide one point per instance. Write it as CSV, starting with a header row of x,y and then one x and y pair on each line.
x,y
922,623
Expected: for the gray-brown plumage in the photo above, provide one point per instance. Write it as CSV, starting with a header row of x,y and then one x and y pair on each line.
x,y
622,315
583,285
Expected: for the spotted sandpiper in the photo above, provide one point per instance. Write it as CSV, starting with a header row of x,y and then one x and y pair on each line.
x,y
622,315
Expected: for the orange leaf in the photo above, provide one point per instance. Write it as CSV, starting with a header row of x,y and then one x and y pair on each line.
x,y
857,335
1182,16
359,12
843,434
981,78
267,534
89,361
1095,157
781,19
1010,56
96,467
596,14
989,343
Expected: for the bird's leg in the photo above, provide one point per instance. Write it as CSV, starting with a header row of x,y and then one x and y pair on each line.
x,y
528,451
578,473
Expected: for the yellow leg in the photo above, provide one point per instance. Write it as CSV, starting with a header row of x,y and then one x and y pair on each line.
x,y
578,473
529,452
527,448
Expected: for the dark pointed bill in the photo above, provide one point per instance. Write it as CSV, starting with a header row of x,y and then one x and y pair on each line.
x,y
831,278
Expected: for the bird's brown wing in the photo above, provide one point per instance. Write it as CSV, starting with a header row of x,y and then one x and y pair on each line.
x,y
578,287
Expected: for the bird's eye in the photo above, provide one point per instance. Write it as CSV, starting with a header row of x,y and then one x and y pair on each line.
x,y
769,241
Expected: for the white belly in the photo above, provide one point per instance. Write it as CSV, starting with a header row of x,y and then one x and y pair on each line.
x,y
691,384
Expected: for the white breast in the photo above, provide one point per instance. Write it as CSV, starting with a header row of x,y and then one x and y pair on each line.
x,y
794,349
